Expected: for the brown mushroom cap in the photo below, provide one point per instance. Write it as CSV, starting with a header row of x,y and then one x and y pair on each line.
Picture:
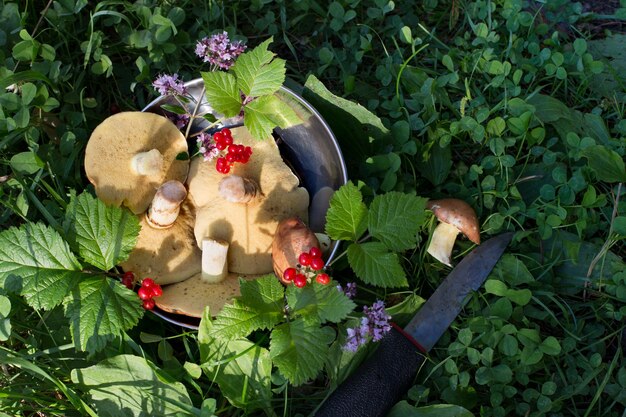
x,y
459,214
292,238
114,143
166,255
249,228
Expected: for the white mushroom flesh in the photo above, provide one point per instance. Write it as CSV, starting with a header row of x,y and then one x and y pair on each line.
x,y
147,163
442,242
214,260
165,205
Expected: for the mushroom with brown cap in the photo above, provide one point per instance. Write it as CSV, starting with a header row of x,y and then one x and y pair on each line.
x,y
455,216
292,238
130,154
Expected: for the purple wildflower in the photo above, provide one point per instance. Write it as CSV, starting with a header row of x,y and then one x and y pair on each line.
x,y
357,336
180,120
349,290
374,325
169,85
218,50
206,146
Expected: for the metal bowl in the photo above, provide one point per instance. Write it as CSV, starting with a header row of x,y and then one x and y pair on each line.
x,y
310,149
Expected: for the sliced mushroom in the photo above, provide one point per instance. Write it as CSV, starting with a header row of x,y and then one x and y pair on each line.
x,y
130,154
455,216
248,228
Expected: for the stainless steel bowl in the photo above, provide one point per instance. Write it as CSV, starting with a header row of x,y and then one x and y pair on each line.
x,y
310,149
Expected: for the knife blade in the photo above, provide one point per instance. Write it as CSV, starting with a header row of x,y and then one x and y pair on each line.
x,y
381,381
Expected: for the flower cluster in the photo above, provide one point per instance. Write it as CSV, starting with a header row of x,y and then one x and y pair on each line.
x,y
218,50
374,325
169,85
349,290
207,147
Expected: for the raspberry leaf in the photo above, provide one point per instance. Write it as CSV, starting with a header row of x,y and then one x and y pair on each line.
x,y
258,72
36,262
325,302
299,349
395,218
130,385
374,264
104,236
346,218
263,114
222,92
100,309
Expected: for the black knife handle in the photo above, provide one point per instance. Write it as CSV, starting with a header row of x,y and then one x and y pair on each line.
x,y
379,383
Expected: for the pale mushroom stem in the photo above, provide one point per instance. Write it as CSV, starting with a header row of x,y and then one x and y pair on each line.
x,y
165,206
442,242
147,163
214,257
238,189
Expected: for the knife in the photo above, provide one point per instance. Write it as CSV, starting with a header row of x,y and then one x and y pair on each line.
x,y
383,379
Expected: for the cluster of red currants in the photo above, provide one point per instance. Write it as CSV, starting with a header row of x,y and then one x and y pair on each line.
x,y
235,153
309,265
148,290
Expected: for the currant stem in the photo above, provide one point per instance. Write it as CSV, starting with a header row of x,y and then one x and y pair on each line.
x,y
195,112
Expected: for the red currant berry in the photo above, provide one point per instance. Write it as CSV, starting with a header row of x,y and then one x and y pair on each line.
x,y
147,283
315,252
247,150
231,158
232,149
289,274
227,133
148,304
144,293
299,280
157,291
221,146
239,148
322,278
304,259
128,283
317,263
128,275
218,137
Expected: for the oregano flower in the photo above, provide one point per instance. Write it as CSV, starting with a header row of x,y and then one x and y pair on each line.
x,y
374,325
169,85
218,50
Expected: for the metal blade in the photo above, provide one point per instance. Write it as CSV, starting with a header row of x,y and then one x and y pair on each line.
x,y
432,320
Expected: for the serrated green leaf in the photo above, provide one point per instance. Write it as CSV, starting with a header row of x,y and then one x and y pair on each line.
x,y
100,309
104,236
38,263
325,302
299,348
127,385
259,307
346,218
222,92
395,218
265,113
258,73
374,264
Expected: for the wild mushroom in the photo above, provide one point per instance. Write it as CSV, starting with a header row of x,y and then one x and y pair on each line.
x,y
166,255
248,227
165,205
130,154
455,216
292,238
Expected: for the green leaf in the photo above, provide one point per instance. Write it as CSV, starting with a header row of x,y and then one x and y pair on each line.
x,y
38,263
265,113
395,218
104,236
346,218
222,92
519,297
607,164
550,346
26,163
404,409
259,307
495,287
299,348
100,309
375,265
127,385
325,302
5,323
258,73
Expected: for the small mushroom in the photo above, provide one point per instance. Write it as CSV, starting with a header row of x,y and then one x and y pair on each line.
x,y
214,260
292,238
455,216
130,154
165,206
238,189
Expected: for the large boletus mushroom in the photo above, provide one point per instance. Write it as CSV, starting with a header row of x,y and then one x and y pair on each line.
x,y
247,224
455,216
130,154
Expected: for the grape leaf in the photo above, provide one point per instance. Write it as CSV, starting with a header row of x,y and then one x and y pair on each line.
x,y
375,265
100,309
38,263
299,348
259,307
346,218
325,302
235,364
127,385
222,92
395,219
264,113
258,73
104,236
